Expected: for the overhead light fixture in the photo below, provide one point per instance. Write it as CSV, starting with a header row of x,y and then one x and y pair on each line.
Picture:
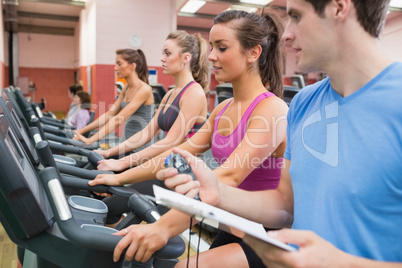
x,y
256,2
396,3
244,8
192,6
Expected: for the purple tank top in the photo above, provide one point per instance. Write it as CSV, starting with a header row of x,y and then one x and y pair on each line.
x,y
265,176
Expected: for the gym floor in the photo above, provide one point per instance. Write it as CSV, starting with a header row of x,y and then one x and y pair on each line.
x,y
8,251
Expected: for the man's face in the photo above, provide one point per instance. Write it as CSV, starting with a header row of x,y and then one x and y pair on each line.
x,y
309,35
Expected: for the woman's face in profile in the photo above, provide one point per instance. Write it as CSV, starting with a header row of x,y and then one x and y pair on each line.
x,y
227,57
122,67
171,57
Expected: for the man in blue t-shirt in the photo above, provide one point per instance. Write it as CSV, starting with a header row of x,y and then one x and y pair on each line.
x,y
343,154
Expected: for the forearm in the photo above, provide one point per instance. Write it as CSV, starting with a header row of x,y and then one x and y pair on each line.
x,y
109,127
227,176
144,172
152,151
269,207
175,222
95,124
358,262
137,140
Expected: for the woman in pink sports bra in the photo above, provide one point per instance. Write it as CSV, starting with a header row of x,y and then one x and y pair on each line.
x,y
247,134
183,109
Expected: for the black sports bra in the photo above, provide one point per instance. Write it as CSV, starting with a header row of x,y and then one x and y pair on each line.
x,y
167,117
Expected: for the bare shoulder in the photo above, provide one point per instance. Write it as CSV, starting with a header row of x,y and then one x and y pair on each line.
x,y
271,106
194,91
219,107
146,88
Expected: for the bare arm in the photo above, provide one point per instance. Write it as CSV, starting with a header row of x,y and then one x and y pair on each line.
x,y
175,222
135,141
192,104
272,208
102,120
132,142
197,144
139,98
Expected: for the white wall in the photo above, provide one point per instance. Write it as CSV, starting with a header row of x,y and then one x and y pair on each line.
x,y
46,51
87,34
391,40
152,20
2,35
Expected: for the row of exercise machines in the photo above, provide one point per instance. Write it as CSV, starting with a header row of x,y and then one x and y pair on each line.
x,y
46,204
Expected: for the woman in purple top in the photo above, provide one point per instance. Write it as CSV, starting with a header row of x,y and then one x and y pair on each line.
x,y
247,134
80,117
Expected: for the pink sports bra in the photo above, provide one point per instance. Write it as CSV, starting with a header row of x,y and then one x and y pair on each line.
x,y
265,176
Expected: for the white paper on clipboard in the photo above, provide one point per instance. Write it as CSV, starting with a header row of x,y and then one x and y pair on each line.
x,y
214,215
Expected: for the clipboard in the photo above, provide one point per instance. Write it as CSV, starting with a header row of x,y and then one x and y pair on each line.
x,y
216,217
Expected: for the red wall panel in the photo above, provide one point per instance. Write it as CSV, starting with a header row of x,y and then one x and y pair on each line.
x,y
6,81
3,75
52,85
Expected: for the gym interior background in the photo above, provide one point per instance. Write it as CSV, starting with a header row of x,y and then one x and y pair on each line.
x,y
56,43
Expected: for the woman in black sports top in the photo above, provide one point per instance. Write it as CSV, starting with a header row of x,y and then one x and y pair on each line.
x,y
183,110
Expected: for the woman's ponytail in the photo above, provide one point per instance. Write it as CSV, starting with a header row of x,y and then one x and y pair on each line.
x,y
197,47
137,57
199,66
271,63
142,67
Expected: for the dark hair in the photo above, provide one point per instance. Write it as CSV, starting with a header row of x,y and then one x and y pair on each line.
x,y
371,14
137,57
85,99
266,30
197,47
74,88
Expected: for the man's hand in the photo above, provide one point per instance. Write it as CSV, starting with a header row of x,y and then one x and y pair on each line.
x,y
206,184
314,252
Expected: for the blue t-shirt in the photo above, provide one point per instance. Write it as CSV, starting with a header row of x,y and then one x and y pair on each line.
x,y
346,165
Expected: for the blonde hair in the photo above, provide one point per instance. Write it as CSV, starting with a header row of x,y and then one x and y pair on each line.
x,y
197,47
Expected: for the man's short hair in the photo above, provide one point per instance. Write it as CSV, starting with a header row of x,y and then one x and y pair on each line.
x,y
370,13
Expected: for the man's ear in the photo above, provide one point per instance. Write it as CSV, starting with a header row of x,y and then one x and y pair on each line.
x,y
253,54
341,8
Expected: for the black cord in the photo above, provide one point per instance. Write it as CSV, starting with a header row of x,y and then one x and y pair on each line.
x,y
189,240
199,240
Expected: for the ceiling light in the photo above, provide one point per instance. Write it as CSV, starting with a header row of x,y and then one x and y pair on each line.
x,y
244,8
192,6
396,3
256,2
